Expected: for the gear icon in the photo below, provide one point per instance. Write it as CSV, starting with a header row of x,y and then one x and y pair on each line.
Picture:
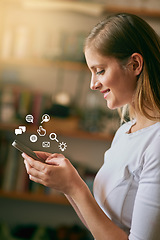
x,y
62,146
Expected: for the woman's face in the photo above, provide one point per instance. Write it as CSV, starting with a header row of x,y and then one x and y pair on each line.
x,y
115,82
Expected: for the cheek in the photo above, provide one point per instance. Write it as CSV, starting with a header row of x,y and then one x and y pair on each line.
x,y
124,93
113,77
121,93
108,79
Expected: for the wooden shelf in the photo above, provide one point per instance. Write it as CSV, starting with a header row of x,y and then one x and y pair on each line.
x,y
142,11
64,128
83,7
40,62
89,8
54,199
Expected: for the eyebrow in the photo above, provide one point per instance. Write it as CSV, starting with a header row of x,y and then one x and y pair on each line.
x,y
97,65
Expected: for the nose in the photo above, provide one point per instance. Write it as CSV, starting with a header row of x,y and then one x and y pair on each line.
x,y
95,85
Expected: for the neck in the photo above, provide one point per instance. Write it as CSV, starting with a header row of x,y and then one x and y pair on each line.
x,y
141,122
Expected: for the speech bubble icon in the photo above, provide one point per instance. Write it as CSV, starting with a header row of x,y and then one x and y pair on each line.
x,y
18,131
23,128
29,118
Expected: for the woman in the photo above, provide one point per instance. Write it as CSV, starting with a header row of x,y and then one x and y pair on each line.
x,y
123,55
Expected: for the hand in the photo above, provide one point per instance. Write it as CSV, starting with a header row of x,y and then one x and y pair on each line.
x,y
41,131
57,172
42,155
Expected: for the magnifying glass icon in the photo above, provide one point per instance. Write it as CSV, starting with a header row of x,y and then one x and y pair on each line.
x,y
53,136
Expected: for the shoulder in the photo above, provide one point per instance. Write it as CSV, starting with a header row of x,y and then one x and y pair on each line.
x,y
153,149
151,160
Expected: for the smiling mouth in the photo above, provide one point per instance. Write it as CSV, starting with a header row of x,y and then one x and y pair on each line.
x,y
105,92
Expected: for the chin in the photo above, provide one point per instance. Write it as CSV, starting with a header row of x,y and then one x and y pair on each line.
x,y
114,105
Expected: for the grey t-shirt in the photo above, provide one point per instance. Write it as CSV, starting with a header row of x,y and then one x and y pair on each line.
x,y
127,187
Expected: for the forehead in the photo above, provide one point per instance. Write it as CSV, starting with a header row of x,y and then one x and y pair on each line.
x,y
94,59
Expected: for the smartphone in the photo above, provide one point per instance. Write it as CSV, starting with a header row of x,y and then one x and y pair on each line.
x,y
21,147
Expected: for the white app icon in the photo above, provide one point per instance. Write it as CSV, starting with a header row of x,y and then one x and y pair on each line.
x,y
53,136
46,144
33,138
45,118
41,131
29,118
20,130
62,146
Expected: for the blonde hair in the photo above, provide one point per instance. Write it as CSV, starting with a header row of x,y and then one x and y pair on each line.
x,y
120,36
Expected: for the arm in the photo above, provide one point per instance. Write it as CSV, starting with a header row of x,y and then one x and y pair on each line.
x,y
76,210
98,223
62,176
146,213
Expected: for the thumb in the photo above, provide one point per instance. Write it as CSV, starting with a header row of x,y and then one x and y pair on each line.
x,y
42,155
52,161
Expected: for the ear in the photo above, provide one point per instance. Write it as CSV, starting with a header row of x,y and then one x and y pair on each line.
x,y
137,63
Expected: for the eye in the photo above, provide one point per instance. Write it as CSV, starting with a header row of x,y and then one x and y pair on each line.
x,y
100,72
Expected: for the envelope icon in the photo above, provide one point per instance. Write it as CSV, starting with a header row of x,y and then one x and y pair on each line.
x,y
46,144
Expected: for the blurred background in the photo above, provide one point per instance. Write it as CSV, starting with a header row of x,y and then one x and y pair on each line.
x,y
43,71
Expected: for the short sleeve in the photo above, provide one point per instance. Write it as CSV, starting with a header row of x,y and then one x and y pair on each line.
x,y
146,213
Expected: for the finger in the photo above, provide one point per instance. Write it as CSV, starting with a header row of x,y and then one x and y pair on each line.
x,y
34,163
26,165
25,156
35,179
34,173
38,180
42,155
54,161
39,177
55,155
